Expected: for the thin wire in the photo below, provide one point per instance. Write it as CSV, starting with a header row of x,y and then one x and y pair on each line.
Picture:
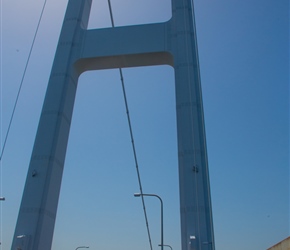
x,y
1,185
21,83
132,138
135,158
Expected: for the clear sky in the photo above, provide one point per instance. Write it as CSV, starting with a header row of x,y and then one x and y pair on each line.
x,y
244,60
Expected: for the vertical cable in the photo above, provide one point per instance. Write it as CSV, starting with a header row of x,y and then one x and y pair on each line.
x,y
16,100
22,79
2,147
135,158
1,180
132,138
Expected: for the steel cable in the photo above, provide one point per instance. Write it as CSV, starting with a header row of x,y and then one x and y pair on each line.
x,y
132,137
22,80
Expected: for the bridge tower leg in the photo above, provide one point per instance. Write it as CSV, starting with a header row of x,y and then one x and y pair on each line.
x,y
172,43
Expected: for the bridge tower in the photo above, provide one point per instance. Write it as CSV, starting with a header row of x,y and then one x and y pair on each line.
x,y
79,49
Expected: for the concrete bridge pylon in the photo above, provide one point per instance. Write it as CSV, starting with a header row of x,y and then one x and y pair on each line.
x,y
79,50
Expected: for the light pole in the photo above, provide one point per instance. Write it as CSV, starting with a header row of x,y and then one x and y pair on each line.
x,y
81,247
155,195
166,246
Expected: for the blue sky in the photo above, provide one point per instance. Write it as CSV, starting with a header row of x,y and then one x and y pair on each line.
x,y
244,60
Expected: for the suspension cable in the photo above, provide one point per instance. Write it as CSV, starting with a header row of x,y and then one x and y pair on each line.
x,y
1,179
132,137
22,79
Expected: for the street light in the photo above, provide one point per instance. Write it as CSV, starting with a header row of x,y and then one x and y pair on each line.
x,y
166,246
2,198
82,247
155,195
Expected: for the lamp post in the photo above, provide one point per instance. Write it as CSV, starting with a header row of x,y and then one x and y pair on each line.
x,y
166,246
155,195
2,198
81,247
